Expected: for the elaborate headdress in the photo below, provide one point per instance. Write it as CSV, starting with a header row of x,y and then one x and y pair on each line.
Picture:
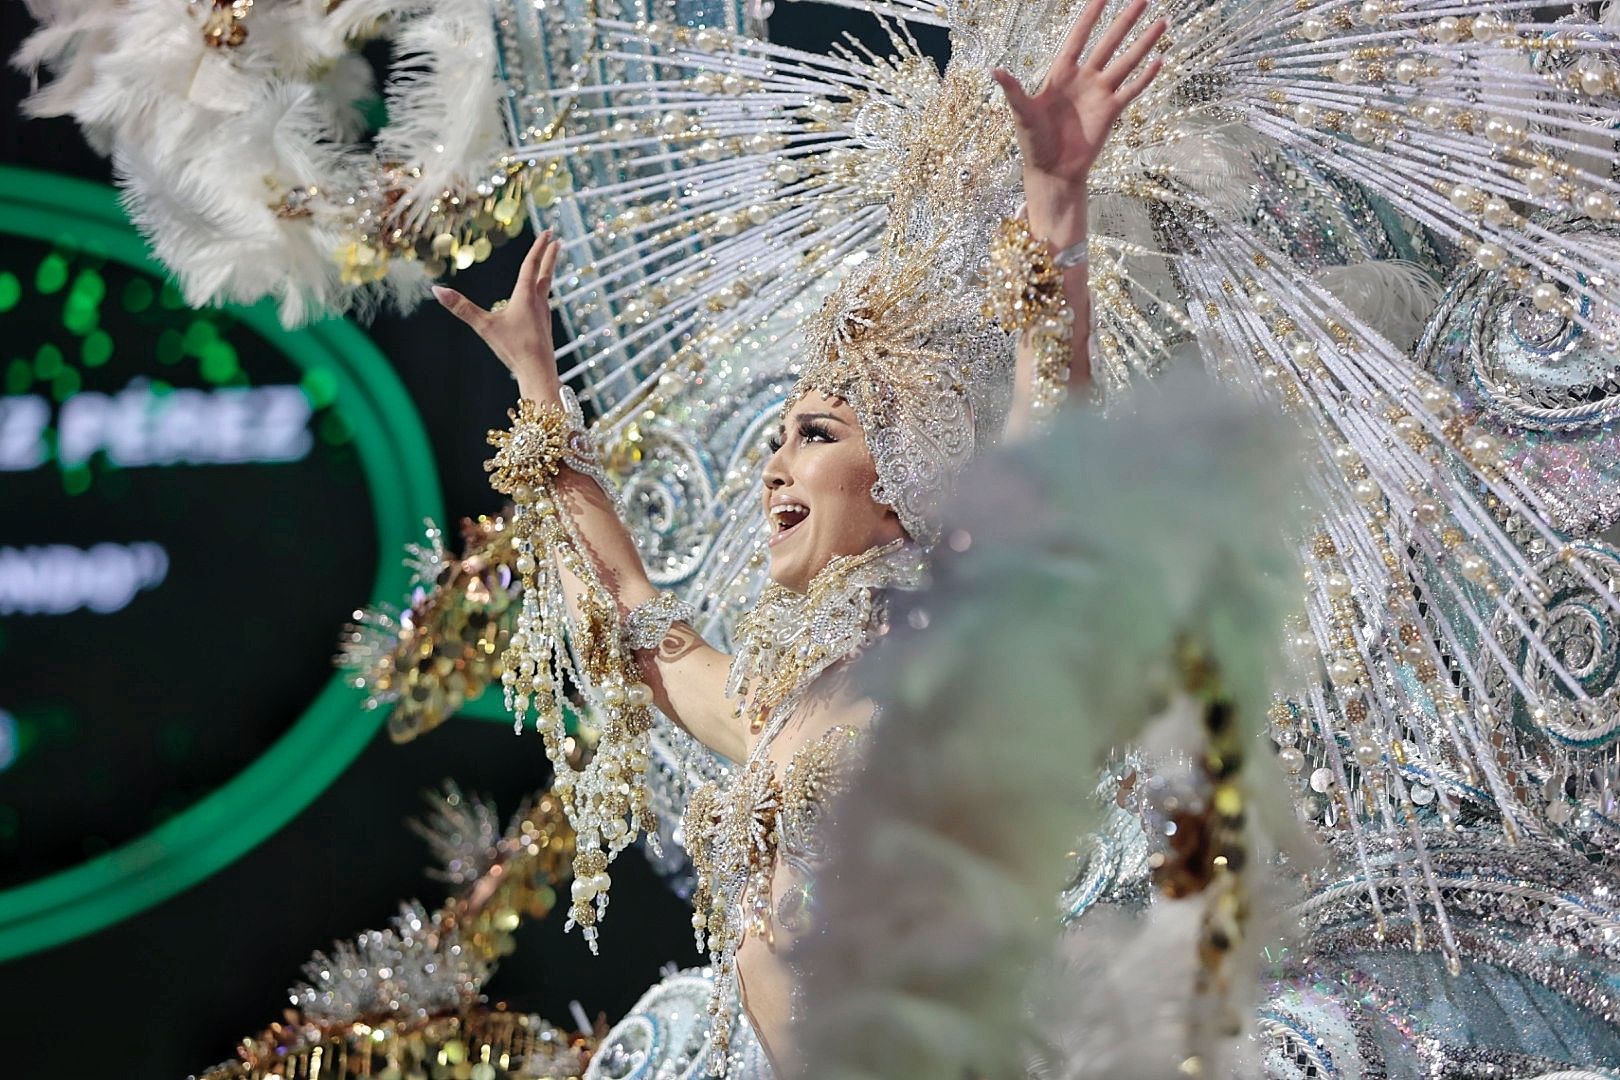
x,y
903,341
904,336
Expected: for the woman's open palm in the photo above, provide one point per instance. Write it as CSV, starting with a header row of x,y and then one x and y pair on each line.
x,y
518,330
1063,125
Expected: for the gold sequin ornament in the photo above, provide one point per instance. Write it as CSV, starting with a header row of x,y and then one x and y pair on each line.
x,y
222,26
1025,295
737,832
736,835
423,663
558,644
1208,854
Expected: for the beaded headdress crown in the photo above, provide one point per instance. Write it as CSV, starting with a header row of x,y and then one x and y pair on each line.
x,y
904,337
904,342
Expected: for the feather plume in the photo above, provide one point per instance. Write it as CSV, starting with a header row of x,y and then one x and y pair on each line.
x,y
225,240
1394,298
1126,983
1217,161
442,97
244,164
1048,643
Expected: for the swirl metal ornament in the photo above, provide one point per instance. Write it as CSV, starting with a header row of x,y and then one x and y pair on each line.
x,y
1567,744
1535,364
666,483
1542,378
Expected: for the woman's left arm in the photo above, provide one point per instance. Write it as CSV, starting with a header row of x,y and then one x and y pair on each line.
x,y
1061,131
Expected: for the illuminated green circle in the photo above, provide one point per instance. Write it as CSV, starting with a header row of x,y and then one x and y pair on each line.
x,y
394,456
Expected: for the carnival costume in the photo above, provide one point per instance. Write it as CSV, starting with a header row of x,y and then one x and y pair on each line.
x,y
1462,682
1280,206
906,340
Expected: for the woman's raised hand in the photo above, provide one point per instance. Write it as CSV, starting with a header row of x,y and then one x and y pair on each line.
x,y
1063,125
518,330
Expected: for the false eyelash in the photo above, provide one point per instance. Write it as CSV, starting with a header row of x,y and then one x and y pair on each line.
x,y
808,429
815,429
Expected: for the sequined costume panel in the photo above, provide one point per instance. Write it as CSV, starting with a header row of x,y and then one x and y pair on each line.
x,y
1531,999
767,826
666,1036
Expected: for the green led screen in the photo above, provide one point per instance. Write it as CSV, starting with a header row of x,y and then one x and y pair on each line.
x,y
191,502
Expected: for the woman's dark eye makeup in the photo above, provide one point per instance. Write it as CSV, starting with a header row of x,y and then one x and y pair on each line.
x,y
815,431
810,430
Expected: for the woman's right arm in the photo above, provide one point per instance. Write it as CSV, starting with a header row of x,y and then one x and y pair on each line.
x,y
1062,127
686,674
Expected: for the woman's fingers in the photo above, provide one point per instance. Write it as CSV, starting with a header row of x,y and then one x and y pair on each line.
x,y
461,307
1068,54
531,264
548,263
1017,100
1103,51
1127,93
1125,63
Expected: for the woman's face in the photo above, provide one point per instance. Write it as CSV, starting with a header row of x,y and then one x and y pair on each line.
x,y
818,492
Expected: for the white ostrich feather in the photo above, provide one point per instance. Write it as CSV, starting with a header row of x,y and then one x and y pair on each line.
x,y
1049,643
1216,161
1393,297
442,101
207,143
1123,986
72,35
342,87
118,67
223,239
359,20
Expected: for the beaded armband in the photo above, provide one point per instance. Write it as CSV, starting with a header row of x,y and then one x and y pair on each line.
x,y
1026,297
648,623
553,647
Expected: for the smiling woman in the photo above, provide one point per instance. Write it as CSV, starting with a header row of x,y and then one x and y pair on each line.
x,y
818,491
905,377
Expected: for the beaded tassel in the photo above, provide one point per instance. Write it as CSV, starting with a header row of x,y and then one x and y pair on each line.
x,y
553,648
